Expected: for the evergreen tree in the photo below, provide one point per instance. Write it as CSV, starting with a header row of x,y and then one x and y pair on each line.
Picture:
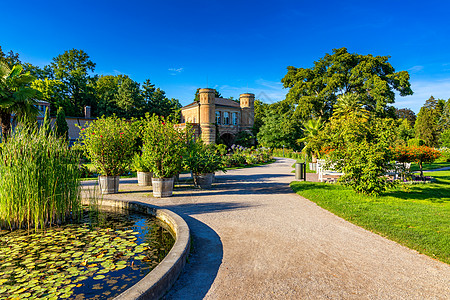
x,y
427,126
61,127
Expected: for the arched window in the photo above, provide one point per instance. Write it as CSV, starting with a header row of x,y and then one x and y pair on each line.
x,y
226,118
218,121
235,118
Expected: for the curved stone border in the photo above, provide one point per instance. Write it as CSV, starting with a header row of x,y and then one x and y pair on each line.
x,y
156,283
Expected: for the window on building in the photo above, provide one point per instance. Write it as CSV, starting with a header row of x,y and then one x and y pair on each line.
x,y
226,118
218,121
235,118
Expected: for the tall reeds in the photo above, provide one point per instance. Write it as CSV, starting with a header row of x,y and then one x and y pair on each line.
x,y
39,180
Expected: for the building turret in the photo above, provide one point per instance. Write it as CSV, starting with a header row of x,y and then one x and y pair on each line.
x,y
247,102
207,115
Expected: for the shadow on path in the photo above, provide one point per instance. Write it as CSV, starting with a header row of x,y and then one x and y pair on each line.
x,y
206,251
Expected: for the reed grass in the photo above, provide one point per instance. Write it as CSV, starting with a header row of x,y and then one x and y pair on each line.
x,y
39,180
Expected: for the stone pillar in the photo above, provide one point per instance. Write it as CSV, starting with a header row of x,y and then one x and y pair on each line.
x,y
207,115
247,110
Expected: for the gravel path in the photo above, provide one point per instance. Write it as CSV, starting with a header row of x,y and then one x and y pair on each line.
x,y
253,238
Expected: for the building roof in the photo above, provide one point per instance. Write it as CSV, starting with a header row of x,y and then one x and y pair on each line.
x,y
218,101
193,104
227,102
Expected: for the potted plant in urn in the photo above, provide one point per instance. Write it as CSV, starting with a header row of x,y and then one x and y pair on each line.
x,y
163,146
203,160
144,176
109,142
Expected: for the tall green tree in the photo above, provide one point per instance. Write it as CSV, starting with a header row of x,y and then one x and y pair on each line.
x,y
61,127
16,96
106,88
260,109
444,120
427,123
52,91
73,69
128,98
316,89
157,103
406,114
276,132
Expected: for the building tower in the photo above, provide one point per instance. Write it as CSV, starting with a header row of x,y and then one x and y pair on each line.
x,y
247,102
207,115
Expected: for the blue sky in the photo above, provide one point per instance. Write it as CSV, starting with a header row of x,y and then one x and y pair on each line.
x,y
234,46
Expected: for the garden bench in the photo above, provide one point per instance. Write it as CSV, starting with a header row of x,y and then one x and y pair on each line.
x,y
328,173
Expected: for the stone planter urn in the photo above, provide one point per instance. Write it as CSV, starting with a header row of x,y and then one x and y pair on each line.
x,y
109,184
144,178
162,187
204,180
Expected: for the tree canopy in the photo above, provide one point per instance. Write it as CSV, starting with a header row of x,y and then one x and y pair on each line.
x,y
69,82
316,89
427,123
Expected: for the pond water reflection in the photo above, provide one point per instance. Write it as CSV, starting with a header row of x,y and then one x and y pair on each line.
x,y
98,258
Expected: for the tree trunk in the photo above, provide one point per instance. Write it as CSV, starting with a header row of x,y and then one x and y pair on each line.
x,y
5,119
421,170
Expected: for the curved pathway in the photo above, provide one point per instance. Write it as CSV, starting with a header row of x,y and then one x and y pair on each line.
x,y
253,238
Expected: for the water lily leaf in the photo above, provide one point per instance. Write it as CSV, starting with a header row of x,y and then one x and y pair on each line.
x,y
98,277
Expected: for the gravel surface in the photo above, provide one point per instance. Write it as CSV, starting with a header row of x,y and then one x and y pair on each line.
x,y
253,238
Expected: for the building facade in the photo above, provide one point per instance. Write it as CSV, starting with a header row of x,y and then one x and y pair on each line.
x,y
213,118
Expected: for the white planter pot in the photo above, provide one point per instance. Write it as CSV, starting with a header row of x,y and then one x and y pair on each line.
x,y
162,187
144,178
109,184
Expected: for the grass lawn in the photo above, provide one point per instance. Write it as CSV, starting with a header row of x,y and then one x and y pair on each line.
x,y
426,167
308,170
251,166
418,218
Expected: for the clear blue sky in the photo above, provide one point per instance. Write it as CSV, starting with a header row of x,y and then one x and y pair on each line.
x,y
234,46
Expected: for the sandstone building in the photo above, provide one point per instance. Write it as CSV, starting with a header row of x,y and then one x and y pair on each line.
x,y
212,116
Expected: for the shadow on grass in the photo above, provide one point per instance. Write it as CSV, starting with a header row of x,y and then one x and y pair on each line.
x,y
305,185
435,193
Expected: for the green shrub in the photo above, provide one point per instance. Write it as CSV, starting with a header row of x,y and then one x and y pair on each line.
x,y
201,158
416,142
164,146
445,154
39,180
110,144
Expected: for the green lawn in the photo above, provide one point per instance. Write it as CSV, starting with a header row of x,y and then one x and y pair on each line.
x,y
307,166
418,218
426,167
251,166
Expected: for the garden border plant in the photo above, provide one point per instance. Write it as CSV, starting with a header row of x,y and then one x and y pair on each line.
x,y
39,180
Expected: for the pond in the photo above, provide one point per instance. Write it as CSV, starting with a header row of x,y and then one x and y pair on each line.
x,y
99,258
